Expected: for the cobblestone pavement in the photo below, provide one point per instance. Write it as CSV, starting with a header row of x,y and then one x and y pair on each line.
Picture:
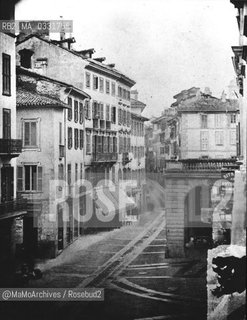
x,y
145,284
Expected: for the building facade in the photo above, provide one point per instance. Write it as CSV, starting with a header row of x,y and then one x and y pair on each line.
x,y
96,134
52,147
12,209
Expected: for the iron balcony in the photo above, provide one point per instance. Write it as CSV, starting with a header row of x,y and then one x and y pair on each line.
x,y
13,208
105,157
10,147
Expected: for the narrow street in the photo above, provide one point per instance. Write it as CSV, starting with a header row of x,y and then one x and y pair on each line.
x,y
139,281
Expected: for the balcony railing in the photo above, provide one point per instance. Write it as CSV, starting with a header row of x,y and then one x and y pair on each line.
x,y
105,157
61,151
13,206
201,165
10,146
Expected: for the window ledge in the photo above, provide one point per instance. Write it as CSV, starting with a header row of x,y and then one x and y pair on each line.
x,y
31,149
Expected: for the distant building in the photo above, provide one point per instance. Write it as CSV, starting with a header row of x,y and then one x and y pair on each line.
x,y
137,155
207,127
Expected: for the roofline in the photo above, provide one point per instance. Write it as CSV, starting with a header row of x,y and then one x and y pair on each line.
x,y
48,42
62,105
40,76
109,71
134,115
207,111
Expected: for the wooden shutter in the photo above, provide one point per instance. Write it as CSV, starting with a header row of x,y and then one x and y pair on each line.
x,y
81,113
6,124
19,178
6,74
40,169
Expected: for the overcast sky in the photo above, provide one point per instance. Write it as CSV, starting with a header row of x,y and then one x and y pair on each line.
x,y
164,45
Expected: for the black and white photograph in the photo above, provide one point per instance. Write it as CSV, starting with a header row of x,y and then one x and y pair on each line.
x,y
123,149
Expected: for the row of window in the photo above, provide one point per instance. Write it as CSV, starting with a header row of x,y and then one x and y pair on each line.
x,y
78,172
78,111
137,128
104,112
124,144
29,178
78,138
102,144
138,152
219,120
124,117
219,138
105,144
105,86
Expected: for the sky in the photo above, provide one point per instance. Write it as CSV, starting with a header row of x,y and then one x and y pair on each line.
x,y
166,46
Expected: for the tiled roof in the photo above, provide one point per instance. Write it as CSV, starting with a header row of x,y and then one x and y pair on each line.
x,y
25,97
209,104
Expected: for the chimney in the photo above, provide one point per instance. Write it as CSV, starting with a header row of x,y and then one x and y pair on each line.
x,y
223,96
134,94
207,91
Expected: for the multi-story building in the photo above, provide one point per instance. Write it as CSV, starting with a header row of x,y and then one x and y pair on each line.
x,y
52,137
204,127
161,140
107,116
208,128
12,209
238,235
137,155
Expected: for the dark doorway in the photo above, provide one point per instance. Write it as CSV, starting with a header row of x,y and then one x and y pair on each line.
x,y
60,227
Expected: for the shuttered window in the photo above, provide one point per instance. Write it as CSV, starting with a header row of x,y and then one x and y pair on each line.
x,y
76,111
113,89
81,139
88,146
70,109
70,139
19,178
30,134
107,87
76,138
6,124
113,114
80,113
6,72
29,178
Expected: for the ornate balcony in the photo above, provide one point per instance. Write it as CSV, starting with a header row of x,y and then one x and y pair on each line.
x,y
201,165
13,208
10,147
100,157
